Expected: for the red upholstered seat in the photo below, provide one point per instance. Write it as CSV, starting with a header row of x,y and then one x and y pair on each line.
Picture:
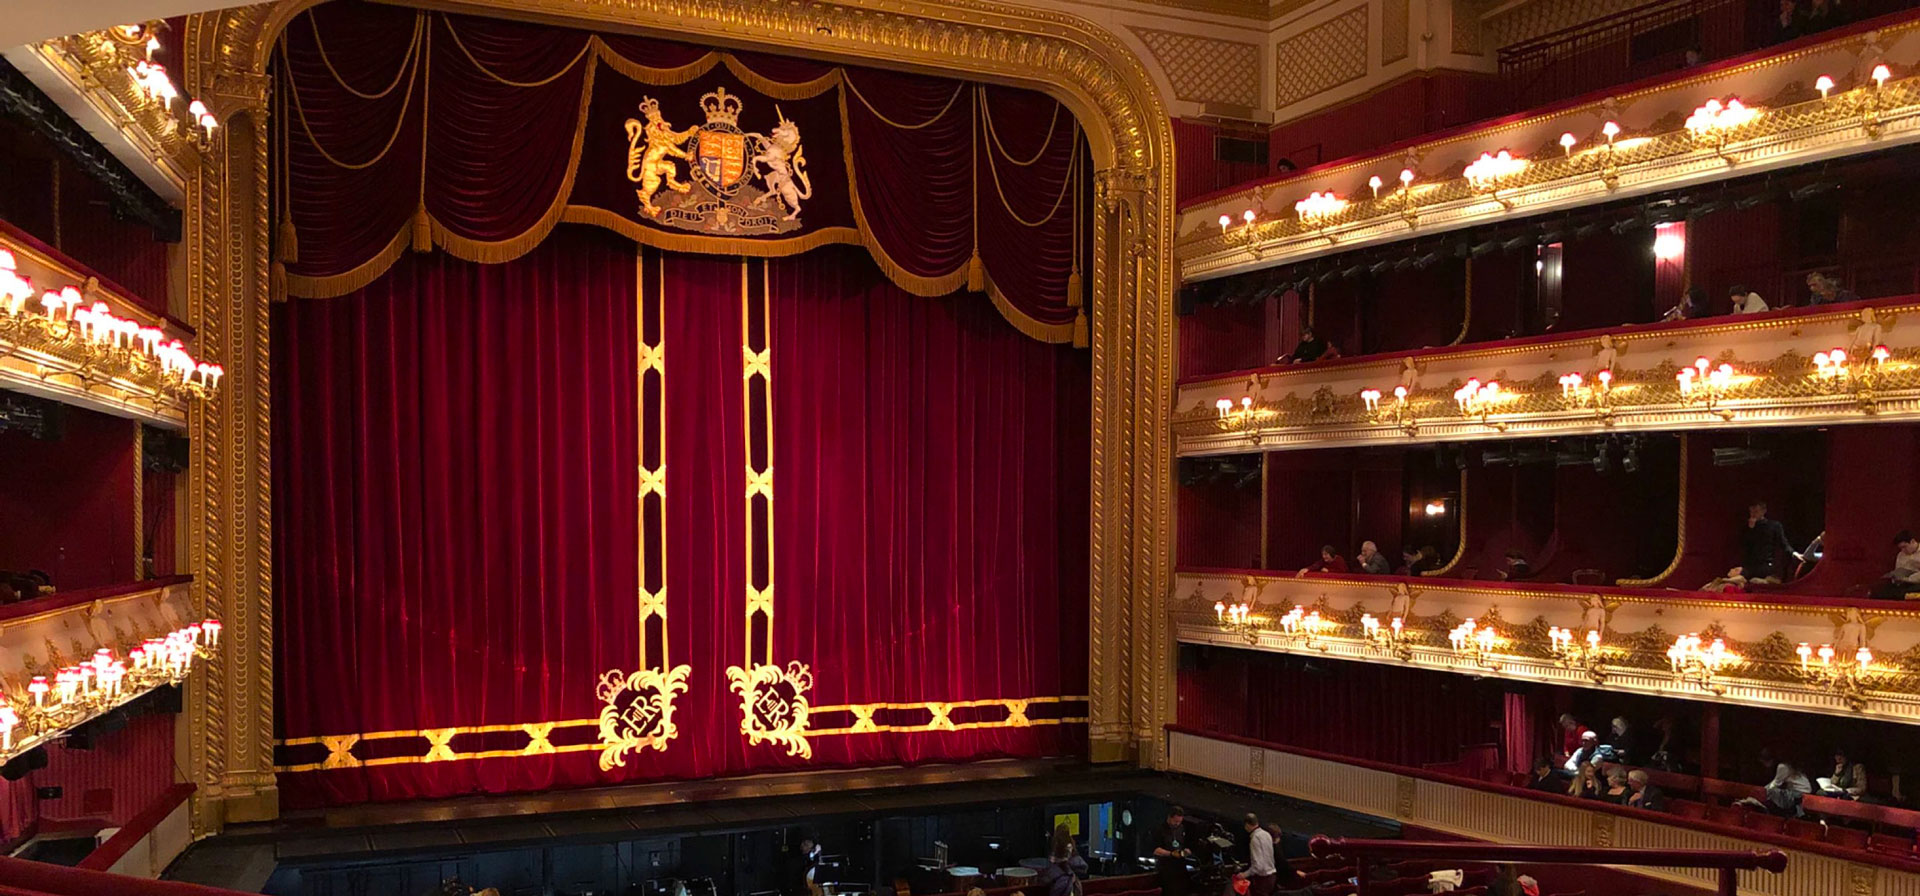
x,y
1687,808
1805,830
1728,791
1891,844
1761,821
1733,815
1852,838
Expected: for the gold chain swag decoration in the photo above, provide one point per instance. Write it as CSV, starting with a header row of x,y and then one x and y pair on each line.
x,y
773,699
637,710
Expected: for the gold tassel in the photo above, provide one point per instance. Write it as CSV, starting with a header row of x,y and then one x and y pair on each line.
x,y
288,242
1074,286
422,230
1080,339
277,281
976,274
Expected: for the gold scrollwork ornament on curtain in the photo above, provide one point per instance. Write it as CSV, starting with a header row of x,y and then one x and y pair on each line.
x,y
773,704
637,711
723,162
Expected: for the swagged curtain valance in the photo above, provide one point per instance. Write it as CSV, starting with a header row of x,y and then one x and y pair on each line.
x,y
402,129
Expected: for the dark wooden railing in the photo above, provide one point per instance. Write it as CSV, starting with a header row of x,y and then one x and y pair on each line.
x,y
1728,862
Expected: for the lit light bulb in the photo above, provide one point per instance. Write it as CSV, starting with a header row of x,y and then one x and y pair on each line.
x,y
1823,84
1880,75
1225,222
1406,177
1611,130
1374,183
1247,216
1567,141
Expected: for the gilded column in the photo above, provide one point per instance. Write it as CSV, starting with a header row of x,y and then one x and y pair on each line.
x,y
230,523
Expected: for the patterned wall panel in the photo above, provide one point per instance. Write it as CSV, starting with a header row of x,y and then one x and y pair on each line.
x,y
1205,69
1464,36
1320,58
1531,20
1394,28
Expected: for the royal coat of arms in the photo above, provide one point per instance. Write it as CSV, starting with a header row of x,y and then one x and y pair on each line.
x,y
738,183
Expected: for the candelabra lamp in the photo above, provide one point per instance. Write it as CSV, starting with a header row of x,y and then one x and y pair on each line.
x,y
1849,678
1390,639
1692,661
1583,654
1477,644
1706,386
1479,400
1493,172
1305,627
82,690
1238,618
1245,236
1837,372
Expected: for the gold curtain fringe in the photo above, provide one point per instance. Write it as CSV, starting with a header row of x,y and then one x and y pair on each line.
x,y
358,278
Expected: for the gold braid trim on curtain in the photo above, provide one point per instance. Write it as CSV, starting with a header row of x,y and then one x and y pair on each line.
x,y
498,251
419,21
993,134
399,123
585,46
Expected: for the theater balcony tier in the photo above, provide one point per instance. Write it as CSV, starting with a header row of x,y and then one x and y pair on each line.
x,y
1774,369
1464,807
69,336
71,657
1850,94
1856,658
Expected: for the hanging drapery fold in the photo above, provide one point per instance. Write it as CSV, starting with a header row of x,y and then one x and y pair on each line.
x,y
476,136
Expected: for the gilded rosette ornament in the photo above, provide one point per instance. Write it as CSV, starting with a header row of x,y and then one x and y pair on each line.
x,y
638,712
773,704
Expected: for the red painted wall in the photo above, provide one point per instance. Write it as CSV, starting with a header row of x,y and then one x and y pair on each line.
x,y
1399,110
1196,171
68,502
108,784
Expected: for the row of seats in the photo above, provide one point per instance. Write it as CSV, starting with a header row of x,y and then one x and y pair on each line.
x,y
1885,830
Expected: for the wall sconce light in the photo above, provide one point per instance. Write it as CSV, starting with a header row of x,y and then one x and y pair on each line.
x,y
1567,142
1849,677
1713,122
1581,654
1691,660
1305,627
1609,171
1493,171
1476,643
1477,400
1706,385
101,682
1247,236
1318,209
1823,84
1389,639
103,343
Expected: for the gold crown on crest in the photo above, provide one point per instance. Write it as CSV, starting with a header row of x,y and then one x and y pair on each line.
x,y
721,107
649,106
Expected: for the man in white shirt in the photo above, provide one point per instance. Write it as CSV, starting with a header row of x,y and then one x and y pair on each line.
x,y
1745,301
1260,869
1905,576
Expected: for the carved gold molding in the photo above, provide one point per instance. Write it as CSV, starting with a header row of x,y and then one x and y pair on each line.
x,y
1080,64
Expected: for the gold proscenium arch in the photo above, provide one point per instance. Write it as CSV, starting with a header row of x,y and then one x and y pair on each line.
x,y
230,283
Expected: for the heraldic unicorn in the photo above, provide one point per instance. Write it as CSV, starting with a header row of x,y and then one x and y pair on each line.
x,y
723,163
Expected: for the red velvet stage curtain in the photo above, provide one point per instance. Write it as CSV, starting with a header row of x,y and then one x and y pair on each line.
x,y
455,465
407,128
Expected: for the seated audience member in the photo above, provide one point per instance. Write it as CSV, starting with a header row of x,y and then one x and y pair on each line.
x,y
1825,290
1329,562
1848,781
1789,22
1746,301
1824,14
1645,795
1616,791
1620,742
1810,557
1783,792
1588,753
1445,881
1310,348
1517,566
1544,780
1905,577
1571,733
1692,305
1664,755
1762,544
1413,562
1371,561
1586,782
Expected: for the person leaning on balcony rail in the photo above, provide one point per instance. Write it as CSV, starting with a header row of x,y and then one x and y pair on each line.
x,y
1848,781
1824,290
1310,348
1330,561
1746,301
1370,561
1904,580
1692,305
